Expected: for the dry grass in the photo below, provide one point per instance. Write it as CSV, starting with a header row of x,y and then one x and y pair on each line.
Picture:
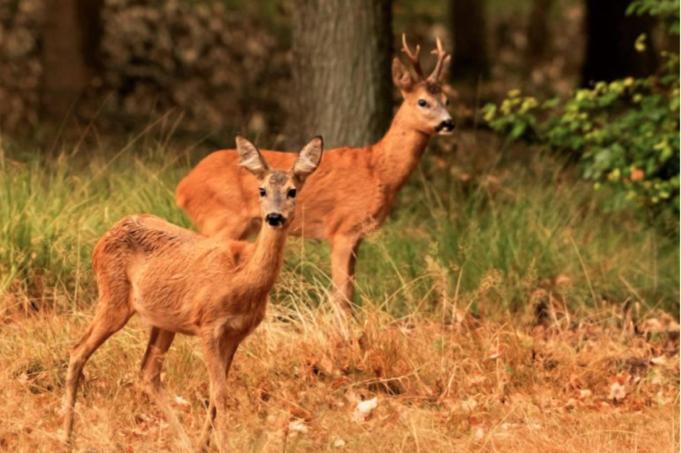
x,y
491,319
466,385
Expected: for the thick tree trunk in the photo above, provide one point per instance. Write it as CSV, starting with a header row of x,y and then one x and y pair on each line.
x,y
610,37
342,88
470,59
70,53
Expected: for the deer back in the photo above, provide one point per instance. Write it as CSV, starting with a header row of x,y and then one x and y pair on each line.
x,y
341,197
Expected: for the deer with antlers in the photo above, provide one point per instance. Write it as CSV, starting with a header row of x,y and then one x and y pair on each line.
x,y
354,189
180,281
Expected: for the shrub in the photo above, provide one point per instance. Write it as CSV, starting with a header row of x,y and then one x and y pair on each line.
x,y
625,133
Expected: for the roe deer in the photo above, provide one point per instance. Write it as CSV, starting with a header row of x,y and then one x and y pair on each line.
x,y
354,189
180,281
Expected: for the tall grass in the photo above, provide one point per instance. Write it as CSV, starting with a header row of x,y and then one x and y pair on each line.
x,y
486,242
53,210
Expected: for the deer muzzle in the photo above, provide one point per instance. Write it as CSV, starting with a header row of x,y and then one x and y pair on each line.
x,y
274,219
445,127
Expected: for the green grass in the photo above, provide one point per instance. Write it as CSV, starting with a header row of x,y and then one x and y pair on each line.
x,y
488,242
515,229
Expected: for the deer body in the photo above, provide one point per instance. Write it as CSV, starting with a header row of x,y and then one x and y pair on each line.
x,y
153,254
349,196
178,281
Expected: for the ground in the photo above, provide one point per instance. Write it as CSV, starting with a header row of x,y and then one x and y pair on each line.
x,y
465,384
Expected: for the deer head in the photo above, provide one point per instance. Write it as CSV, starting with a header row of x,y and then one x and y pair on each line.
x,y
277,188
423,96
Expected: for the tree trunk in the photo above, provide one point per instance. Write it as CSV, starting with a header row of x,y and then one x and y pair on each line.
x,y
610,37
71,37
470,59
538,32
342,88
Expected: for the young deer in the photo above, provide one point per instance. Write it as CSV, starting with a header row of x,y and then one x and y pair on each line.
x,y
180,281
354,189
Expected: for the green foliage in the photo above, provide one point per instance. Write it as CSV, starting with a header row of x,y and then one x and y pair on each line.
x,y
667,10
515,117
626,132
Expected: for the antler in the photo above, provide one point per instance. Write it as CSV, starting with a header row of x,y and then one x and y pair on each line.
x,y
412,56
442,59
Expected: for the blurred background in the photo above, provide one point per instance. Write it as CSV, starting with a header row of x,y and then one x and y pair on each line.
x,y
283,70
567,115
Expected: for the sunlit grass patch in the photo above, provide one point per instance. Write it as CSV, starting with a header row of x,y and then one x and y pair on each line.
x,y
468,385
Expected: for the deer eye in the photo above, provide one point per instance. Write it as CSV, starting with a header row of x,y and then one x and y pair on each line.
x,y
291,193
423,103
263,192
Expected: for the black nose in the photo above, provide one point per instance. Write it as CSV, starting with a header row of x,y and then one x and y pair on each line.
x,y
275,219
447,125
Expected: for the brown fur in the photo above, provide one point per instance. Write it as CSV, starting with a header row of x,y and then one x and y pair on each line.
x,y
178,281
349,196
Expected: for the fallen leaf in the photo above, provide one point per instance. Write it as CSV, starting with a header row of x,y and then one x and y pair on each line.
x,y
298,426
364,409
659,360
479,433
494,355
617,392
468,405
181,401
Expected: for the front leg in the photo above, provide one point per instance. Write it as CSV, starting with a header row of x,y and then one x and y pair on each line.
x,y
218,356
343,259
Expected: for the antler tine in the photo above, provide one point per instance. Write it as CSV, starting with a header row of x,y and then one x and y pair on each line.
x,y
442,58
412,56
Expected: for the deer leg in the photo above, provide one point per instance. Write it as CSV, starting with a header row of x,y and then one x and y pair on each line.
x,y
218,355
343,259
159,343
105,324
227,350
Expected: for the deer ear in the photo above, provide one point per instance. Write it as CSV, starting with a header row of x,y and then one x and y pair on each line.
x,y
401,76
250,158
308,159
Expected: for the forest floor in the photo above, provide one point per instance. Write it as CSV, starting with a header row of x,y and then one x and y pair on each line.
x,y
503,307
299,384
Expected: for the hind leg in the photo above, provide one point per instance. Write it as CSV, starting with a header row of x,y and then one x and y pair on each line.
x,y
105,324
159,343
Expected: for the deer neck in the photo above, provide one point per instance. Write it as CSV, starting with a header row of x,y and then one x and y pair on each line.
x,y
398,153
264,264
